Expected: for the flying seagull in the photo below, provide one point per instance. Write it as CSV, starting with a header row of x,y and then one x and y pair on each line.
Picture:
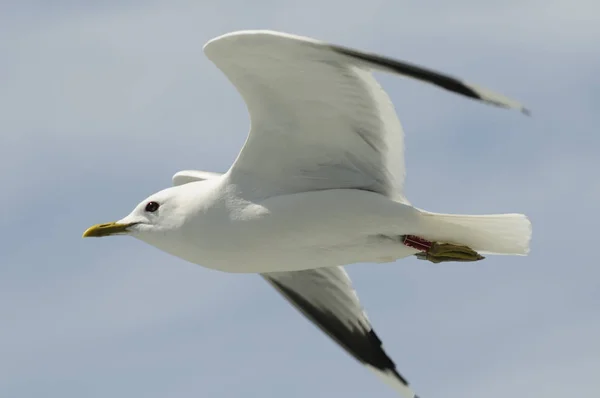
x,y
317,185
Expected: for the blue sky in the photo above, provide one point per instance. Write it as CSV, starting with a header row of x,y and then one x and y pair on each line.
x,y
101,104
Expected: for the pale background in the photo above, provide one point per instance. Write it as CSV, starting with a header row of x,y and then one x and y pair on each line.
x,y
101,103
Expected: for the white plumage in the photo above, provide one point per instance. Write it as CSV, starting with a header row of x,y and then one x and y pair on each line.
x,y
317,185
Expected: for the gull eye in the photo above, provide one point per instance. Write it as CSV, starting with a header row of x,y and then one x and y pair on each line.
x,y
152,207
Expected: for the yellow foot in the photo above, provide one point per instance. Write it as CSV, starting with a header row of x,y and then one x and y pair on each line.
x,y
440,252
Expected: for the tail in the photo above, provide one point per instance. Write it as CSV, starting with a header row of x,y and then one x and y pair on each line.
x,y
487,234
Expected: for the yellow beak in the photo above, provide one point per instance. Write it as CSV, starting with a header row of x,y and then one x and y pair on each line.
x,y
100,230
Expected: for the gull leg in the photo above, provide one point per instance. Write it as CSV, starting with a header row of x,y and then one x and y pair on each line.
x,y
441,252
438,252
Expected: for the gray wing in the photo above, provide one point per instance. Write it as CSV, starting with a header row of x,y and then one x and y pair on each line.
x,y
319,119
326,297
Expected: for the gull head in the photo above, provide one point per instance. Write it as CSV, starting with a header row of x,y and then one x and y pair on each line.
x,y
157,215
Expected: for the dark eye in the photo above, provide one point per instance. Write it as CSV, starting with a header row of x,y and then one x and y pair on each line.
x,y
152,207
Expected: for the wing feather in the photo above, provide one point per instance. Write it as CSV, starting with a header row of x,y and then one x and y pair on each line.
x,y
319,119
326,297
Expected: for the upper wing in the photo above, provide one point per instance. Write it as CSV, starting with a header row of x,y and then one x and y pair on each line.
x,y
319,119
326,297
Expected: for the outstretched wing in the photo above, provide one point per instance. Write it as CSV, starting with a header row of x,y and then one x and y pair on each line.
x,y
319,119
325,296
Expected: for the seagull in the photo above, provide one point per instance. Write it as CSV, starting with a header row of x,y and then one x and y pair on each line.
x,y
317,185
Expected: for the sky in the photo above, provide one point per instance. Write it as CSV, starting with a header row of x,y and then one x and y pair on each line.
x,y
101,103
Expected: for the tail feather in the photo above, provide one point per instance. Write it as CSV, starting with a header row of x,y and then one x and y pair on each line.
x,y
487,234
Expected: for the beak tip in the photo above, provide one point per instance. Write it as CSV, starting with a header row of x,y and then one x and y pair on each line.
x,y
88,233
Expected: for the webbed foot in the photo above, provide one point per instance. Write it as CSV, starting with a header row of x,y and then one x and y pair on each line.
x,y
441,252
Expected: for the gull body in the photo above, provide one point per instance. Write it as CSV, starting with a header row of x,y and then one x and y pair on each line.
x,y
317,185
224,230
